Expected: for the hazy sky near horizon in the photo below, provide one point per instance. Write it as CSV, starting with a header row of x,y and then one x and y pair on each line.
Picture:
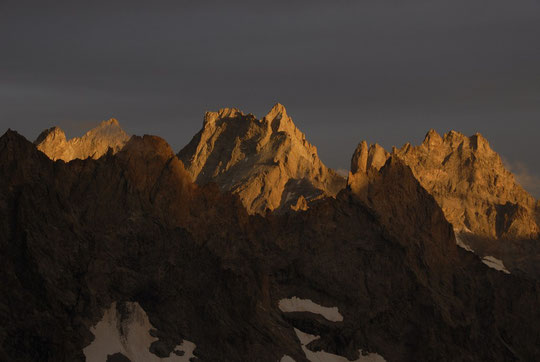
x,y
383,71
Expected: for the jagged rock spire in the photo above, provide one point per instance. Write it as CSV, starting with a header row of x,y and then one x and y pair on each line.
x,y
432,139
95,143
278,112
268,162
468,180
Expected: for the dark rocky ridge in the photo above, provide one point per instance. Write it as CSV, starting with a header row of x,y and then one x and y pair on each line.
x,y
77,236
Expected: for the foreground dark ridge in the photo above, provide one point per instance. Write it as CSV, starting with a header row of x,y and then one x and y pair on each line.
x,y
132,226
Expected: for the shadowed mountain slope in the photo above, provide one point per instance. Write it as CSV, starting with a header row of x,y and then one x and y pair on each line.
x,y
132,228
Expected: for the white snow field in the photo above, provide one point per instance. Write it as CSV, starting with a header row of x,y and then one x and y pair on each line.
x,y
495,263
295,304
130,336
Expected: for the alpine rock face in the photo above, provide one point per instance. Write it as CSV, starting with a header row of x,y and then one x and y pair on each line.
x,y
489,211
268,163
95,143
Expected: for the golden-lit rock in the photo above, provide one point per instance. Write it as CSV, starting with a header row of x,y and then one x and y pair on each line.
x,y
268,163
94,144
472,186
468,180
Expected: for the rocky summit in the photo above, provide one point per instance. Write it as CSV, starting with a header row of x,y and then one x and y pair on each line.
x,y
268,163
490,212
95,143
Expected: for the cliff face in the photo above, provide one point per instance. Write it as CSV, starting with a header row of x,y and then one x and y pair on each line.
x,y
268,163
95,143
489,211
130,235
470,182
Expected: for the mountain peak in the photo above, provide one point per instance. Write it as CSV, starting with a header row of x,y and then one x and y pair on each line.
x,y
106,131
432,139
454,138
210,117
51,134
278,112
11,137
268,163
470,183
359,159
366,158
479,143
279,121
466,177
110,122
95,143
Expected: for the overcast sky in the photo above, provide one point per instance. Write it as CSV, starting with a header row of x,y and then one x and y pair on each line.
x,y
383,71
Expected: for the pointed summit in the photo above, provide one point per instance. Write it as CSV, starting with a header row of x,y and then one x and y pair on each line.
x,y
279,121
12,142
366,158
278,112
268,163
432,139
210,118
95,143
377,156
479,143
109,129
359,159
110,122
53,134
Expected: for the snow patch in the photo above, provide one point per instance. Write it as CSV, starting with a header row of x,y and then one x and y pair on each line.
x,y
129,334
286,358
288,197
295,304
495,263
461,244
322,356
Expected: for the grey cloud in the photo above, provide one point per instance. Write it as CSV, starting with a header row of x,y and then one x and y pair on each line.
x,y
385,71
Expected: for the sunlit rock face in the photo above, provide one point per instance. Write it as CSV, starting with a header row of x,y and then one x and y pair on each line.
x,y
94,144
268,163
478,196
472,186
468,180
